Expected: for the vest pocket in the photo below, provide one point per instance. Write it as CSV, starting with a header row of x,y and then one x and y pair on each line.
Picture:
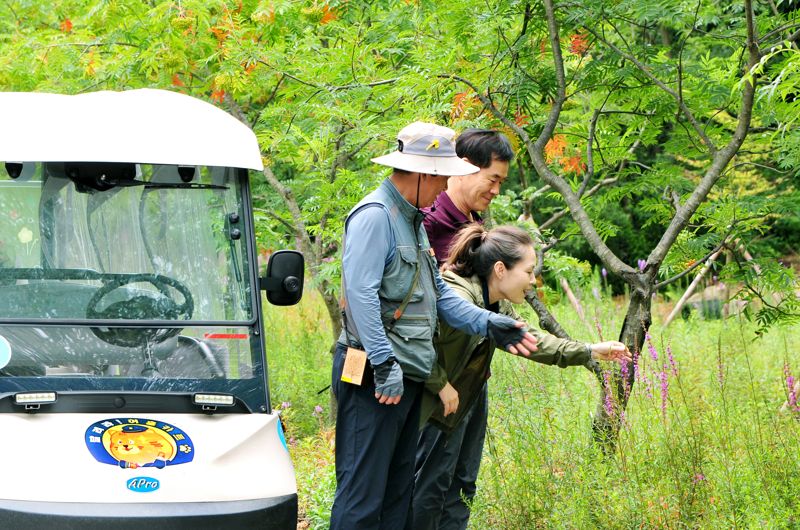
x,y
412,345
397,280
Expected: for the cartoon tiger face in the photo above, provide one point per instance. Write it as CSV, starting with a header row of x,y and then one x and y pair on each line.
x,y
137,444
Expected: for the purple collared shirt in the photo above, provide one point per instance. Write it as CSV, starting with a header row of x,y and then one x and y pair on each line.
x,y
442,222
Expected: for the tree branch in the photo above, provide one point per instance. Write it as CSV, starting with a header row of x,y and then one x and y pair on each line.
x,y
330,88
589,158
237,110
526,18
778,30
722,157
660,84
561,213
299,229
87,45
535,151
694,265
278,218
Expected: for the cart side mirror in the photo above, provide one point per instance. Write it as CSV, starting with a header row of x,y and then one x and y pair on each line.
x,y
284,281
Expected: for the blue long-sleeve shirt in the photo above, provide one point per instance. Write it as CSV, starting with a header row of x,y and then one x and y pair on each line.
x,y
369,248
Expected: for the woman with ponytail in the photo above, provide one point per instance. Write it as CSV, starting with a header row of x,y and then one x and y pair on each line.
x,y
489,268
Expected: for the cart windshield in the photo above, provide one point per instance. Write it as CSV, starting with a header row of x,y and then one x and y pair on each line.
x,y
125,271
146,233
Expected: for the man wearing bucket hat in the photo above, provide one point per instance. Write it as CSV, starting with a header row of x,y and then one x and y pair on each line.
x,y
392,298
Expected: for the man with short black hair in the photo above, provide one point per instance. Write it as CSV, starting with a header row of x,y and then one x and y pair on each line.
x,y
467,195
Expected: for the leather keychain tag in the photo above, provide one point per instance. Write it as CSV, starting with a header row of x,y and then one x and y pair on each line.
x,y
354,363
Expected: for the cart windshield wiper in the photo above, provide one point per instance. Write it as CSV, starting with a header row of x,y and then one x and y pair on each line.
x,y
167,185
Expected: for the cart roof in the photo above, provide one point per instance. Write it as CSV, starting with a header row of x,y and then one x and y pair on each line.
x,y
142,126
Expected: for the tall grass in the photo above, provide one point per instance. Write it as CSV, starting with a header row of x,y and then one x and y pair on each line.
x,y
703,444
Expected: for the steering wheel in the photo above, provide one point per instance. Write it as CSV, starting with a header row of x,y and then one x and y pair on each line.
x,y
140,307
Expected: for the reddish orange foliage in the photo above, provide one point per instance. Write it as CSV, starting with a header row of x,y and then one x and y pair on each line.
x,y
220,33
521,119
462,102
176,80
66,25
578,43
328,14
218,95
555,147
573,164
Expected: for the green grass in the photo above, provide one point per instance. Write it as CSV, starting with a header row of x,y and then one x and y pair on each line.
x,y
716,453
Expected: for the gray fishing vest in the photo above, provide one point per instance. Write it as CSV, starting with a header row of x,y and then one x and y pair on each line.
x,y
410,334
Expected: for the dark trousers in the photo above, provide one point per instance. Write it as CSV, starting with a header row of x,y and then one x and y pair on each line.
x,y
375,447
447,470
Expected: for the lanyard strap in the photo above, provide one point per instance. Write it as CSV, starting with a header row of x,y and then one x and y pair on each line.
x,y
402,307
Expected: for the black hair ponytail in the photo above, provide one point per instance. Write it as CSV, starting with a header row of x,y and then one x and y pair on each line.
x,y
475,250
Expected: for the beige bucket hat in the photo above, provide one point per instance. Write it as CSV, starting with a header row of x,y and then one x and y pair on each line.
x,y
427,148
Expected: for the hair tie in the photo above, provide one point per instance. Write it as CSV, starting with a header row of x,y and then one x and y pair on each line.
x,y
483,236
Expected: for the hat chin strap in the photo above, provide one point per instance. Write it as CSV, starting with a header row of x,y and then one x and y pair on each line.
x,y
419,180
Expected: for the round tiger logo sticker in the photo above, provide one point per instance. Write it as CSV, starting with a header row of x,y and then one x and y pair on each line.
x,y
133,443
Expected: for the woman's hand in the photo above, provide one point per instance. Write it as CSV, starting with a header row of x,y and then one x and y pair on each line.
x,y
449,397
610,350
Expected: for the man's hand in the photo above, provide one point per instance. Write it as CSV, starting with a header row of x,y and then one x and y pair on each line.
x,y
449,397
511,335
610,350
388,382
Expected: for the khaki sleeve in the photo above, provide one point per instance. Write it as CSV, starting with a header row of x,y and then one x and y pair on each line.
x,y
560,352
437,380
551,349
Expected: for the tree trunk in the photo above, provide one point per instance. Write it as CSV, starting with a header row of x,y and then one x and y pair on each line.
x,y
606,422
335,315
334,311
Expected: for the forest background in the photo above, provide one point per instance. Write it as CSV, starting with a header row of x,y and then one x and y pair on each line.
x,y
655,141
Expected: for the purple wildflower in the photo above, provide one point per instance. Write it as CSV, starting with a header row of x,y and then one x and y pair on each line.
x,y
607,402
317,411
648,386
292,441
672,364
623,373
623,419
790,382
637,373
604,273
664,391
286,404
642,264
720,372
650,347
596,293
698,478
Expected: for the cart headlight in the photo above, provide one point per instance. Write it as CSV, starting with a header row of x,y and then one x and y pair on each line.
x,y
212,401
33,400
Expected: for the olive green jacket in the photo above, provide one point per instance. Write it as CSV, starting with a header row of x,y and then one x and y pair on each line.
x,y
464,359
